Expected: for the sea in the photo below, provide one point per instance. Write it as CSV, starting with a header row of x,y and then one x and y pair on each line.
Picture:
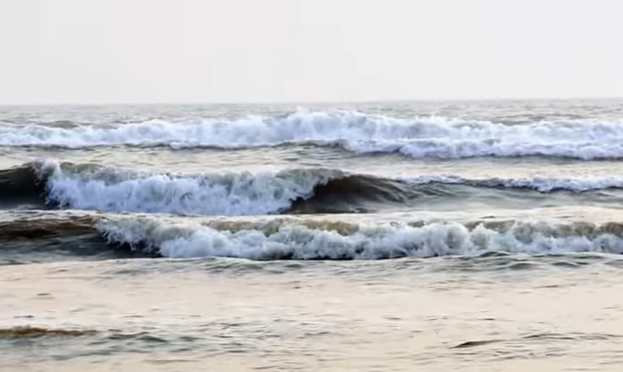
x,y
383,236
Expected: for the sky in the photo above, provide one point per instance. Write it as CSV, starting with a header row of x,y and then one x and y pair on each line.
x,y
221,51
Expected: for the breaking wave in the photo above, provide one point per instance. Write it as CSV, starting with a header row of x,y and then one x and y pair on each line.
x,y
91,187
50,184
360,242
419,137
284,238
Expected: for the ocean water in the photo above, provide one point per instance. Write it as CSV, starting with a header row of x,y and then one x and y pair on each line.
x,y
344,237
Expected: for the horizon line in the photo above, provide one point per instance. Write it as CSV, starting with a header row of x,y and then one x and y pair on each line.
x,y
311,102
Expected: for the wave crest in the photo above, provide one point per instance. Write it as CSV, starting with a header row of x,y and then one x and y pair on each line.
x,y
419,137
114,190
301,242
50,184
290,238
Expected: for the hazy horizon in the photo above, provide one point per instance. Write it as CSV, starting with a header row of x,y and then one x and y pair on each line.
x,y
71,52
319,103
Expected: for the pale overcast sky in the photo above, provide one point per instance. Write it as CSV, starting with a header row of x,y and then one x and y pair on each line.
x,y
133,51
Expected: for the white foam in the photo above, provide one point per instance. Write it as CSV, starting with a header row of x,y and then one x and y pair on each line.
x,y
236,194
418,137
187,239
115,190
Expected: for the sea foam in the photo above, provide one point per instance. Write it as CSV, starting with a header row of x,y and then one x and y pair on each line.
x,y
295,241
418,137
109,189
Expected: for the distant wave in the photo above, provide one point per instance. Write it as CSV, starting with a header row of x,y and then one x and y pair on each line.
x,y
289,239
420,137
50,184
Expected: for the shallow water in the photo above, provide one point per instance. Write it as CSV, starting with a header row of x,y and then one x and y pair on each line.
x,y
494,313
